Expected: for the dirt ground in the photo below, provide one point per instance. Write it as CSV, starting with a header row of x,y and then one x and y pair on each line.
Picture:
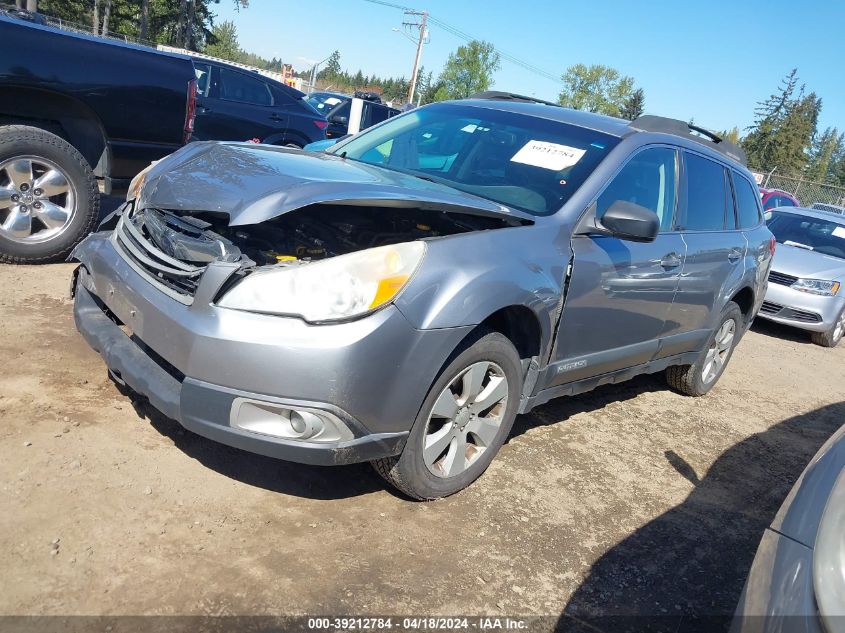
x,y
631,500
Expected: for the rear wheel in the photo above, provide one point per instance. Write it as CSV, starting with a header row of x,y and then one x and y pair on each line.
x,y
49,198
832,337
700,377
464,420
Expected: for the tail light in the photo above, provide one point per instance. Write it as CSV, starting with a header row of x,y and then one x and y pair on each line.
x,y
190,110
772,244
321,123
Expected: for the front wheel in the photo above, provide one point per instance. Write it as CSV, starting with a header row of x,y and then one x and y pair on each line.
x,y
832,337
463,422
700,377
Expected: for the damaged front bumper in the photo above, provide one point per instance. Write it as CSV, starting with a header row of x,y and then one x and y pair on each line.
x,y
230,375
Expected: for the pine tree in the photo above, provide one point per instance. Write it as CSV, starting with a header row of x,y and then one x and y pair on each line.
x,y
634,105
826,148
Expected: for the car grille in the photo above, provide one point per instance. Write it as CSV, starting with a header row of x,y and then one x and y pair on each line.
x,y
800,315
179,278
782,278
793,314
770,308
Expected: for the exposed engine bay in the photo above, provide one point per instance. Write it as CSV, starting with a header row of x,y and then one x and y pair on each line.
x,y
312,233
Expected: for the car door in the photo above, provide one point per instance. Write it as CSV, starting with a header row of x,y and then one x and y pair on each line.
x,y
620,292
715,252
238,107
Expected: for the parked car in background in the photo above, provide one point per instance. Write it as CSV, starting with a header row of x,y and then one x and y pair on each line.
x,y
234,104
805,284
400,298
74,108
772,198
797,580
348,114
830,208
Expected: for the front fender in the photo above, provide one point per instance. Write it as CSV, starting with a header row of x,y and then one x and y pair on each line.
x,y
466,278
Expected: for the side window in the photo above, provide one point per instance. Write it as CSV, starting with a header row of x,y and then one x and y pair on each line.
x,y
730,207
649,179
706,196
786,202
378,113
203,74
747,203
237,86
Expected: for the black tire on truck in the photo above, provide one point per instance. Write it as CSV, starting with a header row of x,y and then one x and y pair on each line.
x,y
49,199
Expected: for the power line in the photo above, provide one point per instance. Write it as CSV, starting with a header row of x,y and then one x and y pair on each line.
x,y
468,38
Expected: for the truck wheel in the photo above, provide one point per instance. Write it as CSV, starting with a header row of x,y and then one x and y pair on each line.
x,y
463,421
700,377
832,337
49,198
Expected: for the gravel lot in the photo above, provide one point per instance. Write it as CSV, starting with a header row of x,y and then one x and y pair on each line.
x,y
631,500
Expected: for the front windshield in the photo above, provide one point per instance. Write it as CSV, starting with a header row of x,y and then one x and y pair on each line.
x,y
813,234
525,162
324,102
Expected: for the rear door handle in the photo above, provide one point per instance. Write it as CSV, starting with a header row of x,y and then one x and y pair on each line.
x,y
734,255
276,117
672,260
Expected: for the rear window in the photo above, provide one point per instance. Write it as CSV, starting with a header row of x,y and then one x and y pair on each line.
x,y
521,161
747,203
237,86
813,234
706,194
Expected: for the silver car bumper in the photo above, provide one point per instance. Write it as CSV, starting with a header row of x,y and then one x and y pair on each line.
x,y
196,363
801,309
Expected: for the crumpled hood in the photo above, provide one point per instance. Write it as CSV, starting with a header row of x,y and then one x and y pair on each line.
x,y
253,183
799,262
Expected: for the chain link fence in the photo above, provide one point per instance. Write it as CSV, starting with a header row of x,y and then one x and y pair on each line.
x,y
807,191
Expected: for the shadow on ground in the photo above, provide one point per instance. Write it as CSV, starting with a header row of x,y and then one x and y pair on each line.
x,y
776,330
685,570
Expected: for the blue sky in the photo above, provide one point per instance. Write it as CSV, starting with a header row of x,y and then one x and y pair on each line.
x,y
711,60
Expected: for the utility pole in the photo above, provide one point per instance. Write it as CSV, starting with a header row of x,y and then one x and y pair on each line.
x,y
421,25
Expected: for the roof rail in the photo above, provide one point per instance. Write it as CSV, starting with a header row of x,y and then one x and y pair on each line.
x,y
652,123
509,96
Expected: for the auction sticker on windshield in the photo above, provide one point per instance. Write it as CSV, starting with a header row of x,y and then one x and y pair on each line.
x,y
548,155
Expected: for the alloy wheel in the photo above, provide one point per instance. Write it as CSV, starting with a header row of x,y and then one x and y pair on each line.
x,y
840,327
465,419
37,199
718,353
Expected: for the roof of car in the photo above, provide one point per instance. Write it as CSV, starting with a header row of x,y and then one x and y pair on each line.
x,y
818,214
598,122
530,106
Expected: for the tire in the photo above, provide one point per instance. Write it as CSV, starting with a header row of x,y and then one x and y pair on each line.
x,y
43,228
409,472
693,380
832,337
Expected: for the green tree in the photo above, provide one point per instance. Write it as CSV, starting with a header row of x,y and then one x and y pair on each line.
x,y
634,105
224,42
331,71
595,88
732,135
784,128
468,70
826,149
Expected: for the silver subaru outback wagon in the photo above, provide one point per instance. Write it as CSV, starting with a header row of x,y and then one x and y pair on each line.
x,y
401,298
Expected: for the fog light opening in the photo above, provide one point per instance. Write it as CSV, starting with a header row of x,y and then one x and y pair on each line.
x,y
305,424
277,420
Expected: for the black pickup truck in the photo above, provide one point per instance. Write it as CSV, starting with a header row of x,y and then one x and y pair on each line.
x,y
75,108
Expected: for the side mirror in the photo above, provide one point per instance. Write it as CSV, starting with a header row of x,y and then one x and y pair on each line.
x,y
339,119
630,221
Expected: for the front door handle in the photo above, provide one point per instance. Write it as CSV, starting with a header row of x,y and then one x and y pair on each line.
x,y
734,255
672,260
276,117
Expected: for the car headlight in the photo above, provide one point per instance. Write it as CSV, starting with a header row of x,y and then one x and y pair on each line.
x,y
817,287
331,289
